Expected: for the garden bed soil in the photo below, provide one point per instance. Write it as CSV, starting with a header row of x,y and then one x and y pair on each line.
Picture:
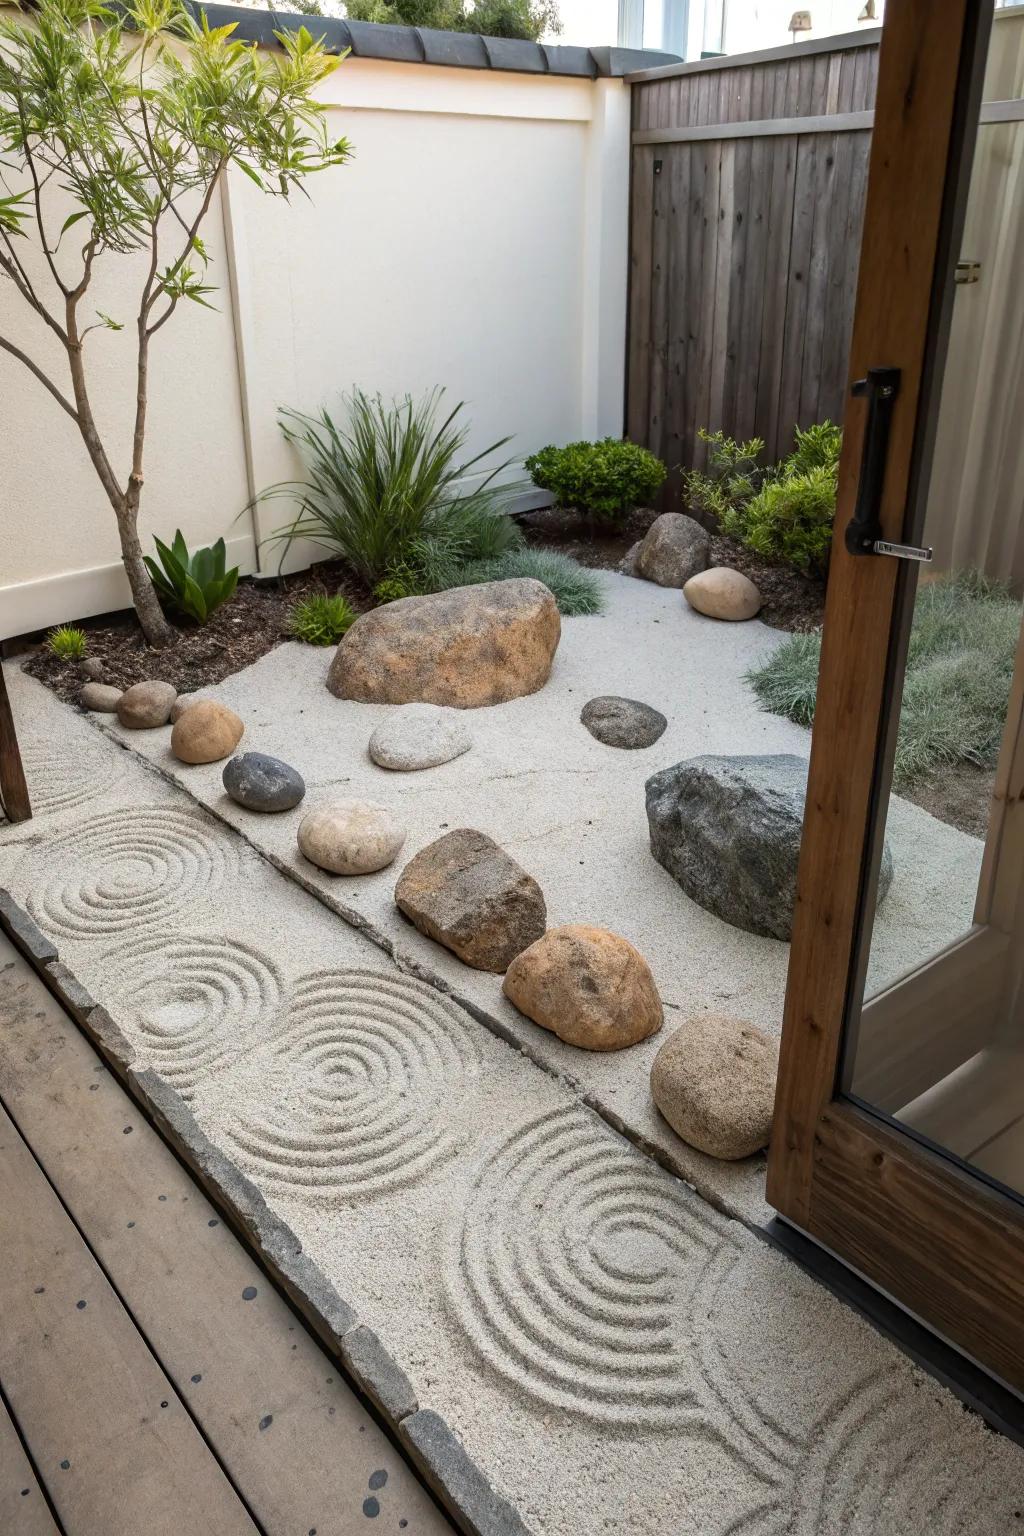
x,y
960,795
790,601
239,633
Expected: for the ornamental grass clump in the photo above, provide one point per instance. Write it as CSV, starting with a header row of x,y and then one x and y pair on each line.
x,y
605,480
388,489
960,661
575,589
320,619
67,643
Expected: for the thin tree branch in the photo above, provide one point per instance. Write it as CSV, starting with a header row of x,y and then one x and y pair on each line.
x,y
8,346
37,198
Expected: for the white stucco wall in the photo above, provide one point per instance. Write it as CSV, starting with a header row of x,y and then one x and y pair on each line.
x,y
477,240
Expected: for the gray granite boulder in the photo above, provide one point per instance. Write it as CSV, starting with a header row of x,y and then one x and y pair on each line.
x,y
468,894
418,736
263,783
623,722
674,548
728,830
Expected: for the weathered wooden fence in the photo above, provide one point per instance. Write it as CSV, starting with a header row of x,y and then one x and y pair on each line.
x,y
749,176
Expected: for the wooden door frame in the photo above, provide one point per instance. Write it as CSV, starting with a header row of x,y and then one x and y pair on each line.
x,y
14,799
932,1236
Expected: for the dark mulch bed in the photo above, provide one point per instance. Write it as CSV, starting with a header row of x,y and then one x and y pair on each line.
x,y
960,795
246,628
790,601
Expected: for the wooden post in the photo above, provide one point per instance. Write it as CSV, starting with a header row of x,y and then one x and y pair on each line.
x,y
13,789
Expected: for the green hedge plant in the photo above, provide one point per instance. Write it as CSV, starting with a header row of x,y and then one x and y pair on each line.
x,y
193,585
606,480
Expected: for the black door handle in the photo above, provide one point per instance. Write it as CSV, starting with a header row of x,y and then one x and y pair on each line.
x,y
864,529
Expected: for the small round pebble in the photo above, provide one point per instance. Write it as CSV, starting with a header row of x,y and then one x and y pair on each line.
x,y
263,783
351,837
100,697
415,736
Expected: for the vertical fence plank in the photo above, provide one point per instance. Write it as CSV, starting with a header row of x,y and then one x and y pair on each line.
x,y
638,378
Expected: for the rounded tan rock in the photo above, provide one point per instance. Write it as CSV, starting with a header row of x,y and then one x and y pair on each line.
x,y
467,647
588,986
714,1082
722,593
101,697
182,702
144,706
206,732
351,837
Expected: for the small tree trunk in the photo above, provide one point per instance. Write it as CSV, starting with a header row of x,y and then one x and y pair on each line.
x,y
155,627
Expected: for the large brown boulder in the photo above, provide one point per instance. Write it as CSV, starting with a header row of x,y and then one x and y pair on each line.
x,y
588,986
469,895
467,647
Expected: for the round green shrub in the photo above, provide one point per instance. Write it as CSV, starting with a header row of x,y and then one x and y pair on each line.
x,y
606,479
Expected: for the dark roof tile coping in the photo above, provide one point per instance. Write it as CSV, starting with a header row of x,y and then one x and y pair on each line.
x,y
424,45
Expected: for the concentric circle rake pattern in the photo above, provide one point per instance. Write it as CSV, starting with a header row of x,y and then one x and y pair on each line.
x,y
62,781
365,1091
573,1268
127,868
193,1004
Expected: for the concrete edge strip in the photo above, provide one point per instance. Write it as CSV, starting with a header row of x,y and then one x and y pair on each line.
x,y
433,1447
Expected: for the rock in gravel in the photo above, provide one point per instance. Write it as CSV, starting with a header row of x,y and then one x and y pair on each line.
x,y
467,647
351,837
714,1082
623,722
207,731
144,706
100,697
722,593
674,548
419,736
588,986
728,830
263,783
93,669
470,895
627,565
182,702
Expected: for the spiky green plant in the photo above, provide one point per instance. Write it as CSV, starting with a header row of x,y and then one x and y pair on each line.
x,y
960,660
68,643
193,585
320,619
389,487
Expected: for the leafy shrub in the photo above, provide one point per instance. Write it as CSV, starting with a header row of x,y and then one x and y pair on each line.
x,y
784,512
495,18
319,619
67,642
575,589
193,585
387,489
606,479
789,519
960,660
731,478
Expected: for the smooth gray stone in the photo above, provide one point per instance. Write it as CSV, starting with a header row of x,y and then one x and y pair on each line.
x,y
263,783
728,830
623,722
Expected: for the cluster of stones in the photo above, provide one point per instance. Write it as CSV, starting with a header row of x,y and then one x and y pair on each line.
x,y
726,829
675,552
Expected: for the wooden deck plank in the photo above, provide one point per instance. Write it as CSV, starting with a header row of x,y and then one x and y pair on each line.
x,y
294,1438
113,1442
23,1507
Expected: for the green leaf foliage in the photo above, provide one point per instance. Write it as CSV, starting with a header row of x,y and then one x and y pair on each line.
x,y
389,489
960,660
68,643
191,585
575,589
784,512
321,619
529,19
606,479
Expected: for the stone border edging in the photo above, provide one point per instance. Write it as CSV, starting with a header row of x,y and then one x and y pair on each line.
x,y
432,1446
